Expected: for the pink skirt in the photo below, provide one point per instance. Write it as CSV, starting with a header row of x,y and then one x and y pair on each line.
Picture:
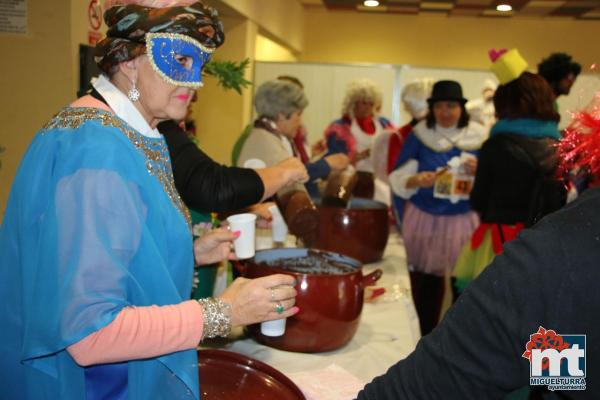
x,y
433,242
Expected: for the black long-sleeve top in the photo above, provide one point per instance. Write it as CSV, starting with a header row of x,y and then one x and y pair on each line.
x,y
508,175
203,184
546,277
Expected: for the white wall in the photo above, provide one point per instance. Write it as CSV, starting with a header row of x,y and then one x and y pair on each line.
x,y
582,92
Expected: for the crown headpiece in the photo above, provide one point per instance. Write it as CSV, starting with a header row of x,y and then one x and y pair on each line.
x,y
507,65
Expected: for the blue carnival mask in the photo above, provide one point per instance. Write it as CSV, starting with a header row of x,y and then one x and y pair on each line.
x,y
163,49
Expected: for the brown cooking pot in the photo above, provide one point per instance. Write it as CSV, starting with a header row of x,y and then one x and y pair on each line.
x,y
360,230
330,290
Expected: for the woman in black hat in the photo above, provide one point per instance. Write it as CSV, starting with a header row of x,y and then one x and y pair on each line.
x,y
434,173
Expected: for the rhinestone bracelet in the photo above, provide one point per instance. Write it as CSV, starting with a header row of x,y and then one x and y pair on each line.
x,y
217,317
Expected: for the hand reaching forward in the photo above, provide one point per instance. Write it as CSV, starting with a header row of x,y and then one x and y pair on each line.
x,y
263,214
293,170
338,161
318,148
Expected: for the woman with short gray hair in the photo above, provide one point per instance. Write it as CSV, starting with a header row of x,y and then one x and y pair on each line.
x,y
269,141
279,97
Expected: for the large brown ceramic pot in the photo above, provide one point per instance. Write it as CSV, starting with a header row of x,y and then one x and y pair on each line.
x,y
360,231
330,296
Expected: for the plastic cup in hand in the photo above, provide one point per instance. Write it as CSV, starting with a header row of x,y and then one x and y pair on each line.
x,y
244,244
273,328
278,225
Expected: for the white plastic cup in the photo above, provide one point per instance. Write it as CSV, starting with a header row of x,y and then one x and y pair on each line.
x,y
279,228
244,244
273,328
263,239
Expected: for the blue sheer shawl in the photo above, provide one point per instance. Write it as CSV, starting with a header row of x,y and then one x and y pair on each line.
x,y
91,226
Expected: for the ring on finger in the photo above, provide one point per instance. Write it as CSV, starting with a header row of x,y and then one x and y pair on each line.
x,y
279,309
272,294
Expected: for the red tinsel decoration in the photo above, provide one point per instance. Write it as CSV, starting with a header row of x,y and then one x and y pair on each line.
x,y
580,148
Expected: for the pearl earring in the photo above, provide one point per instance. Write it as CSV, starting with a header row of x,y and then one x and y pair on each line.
x,y
133,94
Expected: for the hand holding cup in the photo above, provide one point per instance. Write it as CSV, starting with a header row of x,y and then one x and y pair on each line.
x,y
214,246
246,225
262,299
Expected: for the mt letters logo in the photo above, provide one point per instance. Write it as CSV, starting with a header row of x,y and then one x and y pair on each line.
x,y
556,361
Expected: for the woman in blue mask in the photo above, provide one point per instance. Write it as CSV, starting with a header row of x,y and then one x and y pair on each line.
x,y
96,251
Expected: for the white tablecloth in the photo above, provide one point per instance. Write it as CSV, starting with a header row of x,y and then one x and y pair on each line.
x,y
387,333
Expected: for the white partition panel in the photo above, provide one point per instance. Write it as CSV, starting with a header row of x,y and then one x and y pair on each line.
x,y
471,80
325,86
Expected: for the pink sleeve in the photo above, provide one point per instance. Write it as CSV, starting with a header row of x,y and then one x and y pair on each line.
x,y
142,332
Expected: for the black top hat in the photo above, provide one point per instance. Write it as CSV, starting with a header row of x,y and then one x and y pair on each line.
x,y
446,91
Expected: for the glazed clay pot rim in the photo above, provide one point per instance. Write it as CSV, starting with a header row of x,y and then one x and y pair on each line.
x,y
356,204
349,262
211,358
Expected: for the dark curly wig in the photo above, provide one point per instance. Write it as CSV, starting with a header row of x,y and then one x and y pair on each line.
x,y
557,67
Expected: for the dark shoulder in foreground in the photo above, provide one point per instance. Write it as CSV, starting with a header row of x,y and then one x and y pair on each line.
x,y
581,214
547,277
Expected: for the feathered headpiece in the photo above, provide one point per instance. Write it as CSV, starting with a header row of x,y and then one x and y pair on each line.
x,y
580,148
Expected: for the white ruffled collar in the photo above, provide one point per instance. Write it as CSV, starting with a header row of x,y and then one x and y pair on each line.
x,y
123,107
441,139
